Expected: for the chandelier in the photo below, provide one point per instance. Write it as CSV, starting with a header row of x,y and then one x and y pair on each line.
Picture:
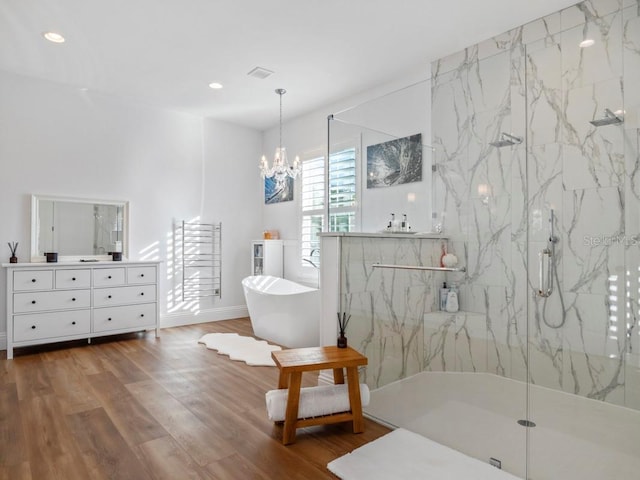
x,y
280,169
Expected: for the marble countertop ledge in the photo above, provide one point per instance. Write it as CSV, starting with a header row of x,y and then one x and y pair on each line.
x,y
425,235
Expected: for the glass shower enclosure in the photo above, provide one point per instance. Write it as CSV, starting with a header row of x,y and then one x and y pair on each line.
x,y
530,169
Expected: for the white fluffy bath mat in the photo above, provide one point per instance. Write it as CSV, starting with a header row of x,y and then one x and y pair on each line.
x,y
404,455
245,349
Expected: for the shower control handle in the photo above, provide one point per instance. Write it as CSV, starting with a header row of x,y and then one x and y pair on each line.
x,y
545,271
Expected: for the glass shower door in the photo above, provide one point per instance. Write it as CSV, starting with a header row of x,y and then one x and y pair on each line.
x,y
583,262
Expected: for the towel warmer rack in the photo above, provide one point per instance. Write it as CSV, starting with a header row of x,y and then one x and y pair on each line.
x,y
201,260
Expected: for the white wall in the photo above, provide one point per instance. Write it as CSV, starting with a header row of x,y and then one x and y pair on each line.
x,y
58,140
232,196
399,109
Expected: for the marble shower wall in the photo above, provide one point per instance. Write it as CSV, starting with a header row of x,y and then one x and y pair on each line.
x,y
387,306
494,204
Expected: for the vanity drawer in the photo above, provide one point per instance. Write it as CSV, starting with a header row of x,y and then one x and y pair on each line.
x,y
73,278
141,275
38,326
55,300
123,317
103,297
105,277
33,280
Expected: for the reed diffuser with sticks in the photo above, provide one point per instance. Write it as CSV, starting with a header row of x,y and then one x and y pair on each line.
x,y
343,321
13,246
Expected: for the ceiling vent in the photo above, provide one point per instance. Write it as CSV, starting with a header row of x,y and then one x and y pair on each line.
x,y
260,73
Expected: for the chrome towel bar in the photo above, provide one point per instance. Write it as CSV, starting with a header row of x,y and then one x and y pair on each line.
x,y
419,267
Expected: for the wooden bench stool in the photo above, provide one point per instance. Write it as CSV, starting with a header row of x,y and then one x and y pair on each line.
x,y
293,362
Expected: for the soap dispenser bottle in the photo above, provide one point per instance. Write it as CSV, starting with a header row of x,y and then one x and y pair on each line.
x,y
395,224
444,291
452,301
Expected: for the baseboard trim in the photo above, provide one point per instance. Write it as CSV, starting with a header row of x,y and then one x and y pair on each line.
x,y
179,319
3,341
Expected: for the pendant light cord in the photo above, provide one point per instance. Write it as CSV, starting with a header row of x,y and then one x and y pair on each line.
x,y
280,91
280,123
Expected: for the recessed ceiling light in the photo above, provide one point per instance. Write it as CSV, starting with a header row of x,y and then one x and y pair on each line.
x,y
53,37
587,42
215,85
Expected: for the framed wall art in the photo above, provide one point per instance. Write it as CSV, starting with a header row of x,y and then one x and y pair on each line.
x,y
395,162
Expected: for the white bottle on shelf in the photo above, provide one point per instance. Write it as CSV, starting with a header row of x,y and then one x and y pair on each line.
x,y
452,301
395,224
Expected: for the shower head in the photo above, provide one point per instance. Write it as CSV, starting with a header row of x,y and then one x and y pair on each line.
x,y
610,118
506,140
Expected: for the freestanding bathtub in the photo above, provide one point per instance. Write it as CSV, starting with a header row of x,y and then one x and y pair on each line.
x,y
282,311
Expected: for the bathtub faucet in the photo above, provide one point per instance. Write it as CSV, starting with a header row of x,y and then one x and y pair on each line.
x,y
316,252
309,261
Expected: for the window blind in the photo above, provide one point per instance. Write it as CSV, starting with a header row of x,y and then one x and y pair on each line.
x,y
342,199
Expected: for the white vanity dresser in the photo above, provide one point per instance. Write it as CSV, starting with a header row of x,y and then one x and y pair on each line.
x,y
54,302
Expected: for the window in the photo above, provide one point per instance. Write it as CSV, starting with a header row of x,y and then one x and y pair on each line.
x,y
342,199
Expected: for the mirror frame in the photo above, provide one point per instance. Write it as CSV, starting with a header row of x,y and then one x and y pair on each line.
x,y
35,205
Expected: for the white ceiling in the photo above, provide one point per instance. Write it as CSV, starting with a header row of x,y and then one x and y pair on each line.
x,y
166,52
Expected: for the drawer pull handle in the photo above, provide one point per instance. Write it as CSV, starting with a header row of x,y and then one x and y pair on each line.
x,y
141,293
73,279
109,319
33,302
142,274
73,323
33,280
73,299
142,314
108,296
33,327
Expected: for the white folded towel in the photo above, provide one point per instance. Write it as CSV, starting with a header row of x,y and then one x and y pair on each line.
x,y
314,401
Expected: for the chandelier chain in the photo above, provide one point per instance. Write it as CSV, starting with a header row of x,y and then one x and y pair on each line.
x,y
281,92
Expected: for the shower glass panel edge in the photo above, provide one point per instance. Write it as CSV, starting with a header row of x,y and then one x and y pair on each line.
x,y
582,156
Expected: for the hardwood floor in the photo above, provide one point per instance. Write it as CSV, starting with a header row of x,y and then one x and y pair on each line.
x,y
137,407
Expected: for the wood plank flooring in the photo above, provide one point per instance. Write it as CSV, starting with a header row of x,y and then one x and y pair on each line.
x,y
137,407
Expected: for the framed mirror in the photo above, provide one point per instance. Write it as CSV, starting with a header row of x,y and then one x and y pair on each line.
x,y
78,229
